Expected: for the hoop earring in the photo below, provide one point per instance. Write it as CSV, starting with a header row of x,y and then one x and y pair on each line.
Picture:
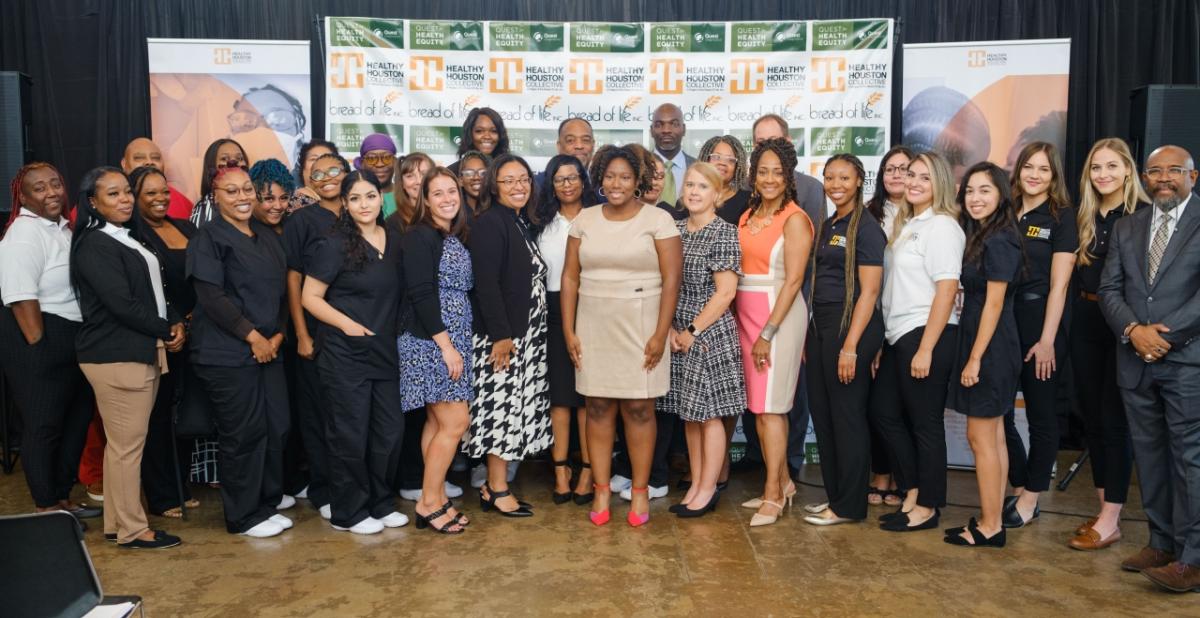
x,y
637,194
600,191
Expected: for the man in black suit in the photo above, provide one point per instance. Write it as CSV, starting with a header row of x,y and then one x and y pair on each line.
x,y
1150,296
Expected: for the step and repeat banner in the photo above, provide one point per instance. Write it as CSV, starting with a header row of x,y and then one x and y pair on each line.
x,y
416,80
202,90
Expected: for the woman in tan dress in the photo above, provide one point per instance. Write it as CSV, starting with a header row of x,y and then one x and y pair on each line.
x,y
620,284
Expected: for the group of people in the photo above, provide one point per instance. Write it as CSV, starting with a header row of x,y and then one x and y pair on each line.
x,y
374,318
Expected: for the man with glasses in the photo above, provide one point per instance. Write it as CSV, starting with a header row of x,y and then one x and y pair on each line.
x,y
1148,294
667,130
140,152
575,138
377,155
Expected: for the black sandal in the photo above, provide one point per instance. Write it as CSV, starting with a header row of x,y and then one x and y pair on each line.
x,y
458,517
488,504
426,521
977,538
564,497
582,499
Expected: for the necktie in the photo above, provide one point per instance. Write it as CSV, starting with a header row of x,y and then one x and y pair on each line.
x,y
668,192
1158,245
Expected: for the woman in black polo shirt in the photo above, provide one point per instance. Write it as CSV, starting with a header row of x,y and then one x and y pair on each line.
x,y
237,268
1046,221
127,330
1108,190
844,335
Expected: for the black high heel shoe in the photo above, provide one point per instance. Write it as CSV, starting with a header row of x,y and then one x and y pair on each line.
x,y
687,513
564,497
486,504
582,499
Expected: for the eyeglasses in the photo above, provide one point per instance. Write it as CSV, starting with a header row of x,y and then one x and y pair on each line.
x,y
476,173
319,175
1174,173
893,170
720,158
379,159
562,181
508,183
236,191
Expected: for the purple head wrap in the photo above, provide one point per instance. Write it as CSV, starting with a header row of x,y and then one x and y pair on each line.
x,y
374,141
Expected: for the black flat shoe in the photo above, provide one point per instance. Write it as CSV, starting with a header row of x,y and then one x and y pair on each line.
x,y
162,540
1010,502
1011,518
977,538
900,524
83,511
892,515
564,497
522,510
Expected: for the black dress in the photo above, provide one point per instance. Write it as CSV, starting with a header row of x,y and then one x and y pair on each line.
x,y
1000,368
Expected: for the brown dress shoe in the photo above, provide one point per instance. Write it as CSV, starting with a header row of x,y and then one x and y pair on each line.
x,y
1147,558
1176,577
1090,540
1085,526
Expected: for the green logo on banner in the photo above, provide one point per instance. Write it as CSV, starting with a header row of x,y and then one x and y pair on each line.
x,y
533,142
618,137
363,32
766,37
846,35
435,140
868,141
747,137
687,37
521,36
828,141
349,136
615,38
446,35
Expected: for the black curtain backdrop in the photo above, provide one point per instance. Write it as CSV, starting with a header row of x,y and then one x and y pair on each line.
x,y
88,61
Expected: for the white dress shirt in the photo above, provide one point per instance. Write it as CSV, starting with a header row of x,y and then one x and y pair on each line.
x,y
122,236
929,248
552,243
35,264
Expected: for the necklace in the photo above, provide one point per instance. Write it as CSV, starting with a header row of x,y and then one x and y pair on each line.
x,y
756,224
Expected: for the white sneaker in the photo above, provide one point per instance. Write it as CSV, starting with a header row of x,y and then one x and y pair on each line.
x,y
395,519
325,511
619,484
286,503
412,495
478,476
283,521
452,490
459,464
654,492
265,529
369,525
303,493
512,470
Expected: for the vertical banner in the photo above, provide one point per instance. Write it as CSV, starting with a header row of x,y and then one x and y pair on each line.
x,y
202,90
417,80
985,100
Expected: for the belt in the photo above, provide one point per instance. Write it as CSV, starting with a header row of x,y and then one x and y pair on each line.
x,y
1030,296
1089,296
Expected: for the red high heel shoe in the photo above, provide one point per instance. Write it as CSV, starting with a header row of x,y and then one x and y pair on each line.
x,y
602,517
634,519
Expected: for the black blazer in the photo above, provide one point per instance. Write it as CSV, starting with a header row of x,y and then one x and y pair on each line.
x,y
116,296
421,308
504,273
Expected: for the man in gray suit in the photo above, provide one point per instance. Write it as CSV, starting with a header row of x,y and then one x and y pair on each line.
x,y
1150,296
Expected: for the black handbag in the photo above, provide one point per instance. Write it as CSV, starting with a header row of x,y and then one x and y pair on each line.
x,y
193,408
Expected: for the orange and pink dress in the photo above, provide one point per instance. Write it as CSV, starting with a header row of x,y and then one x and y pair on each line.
x,y
770,391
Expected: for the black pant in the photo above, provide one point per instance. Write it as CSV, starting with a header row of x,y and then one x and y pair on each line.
x,y
659,468
165,465
412,461
839,411
295,461
915,431
365,427
250,408
55,401
1033,471
311,404
1094,358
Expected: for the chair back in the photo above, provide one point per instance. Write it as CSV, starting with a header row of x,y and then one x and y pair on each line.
x,y
45,568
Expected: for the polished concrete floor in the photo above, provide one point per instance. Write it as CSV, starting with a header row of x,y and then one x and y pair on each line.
x,y
559,564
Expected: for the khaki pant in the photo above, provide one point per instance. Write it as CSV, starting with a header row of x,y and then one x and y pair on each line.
x,y
125,394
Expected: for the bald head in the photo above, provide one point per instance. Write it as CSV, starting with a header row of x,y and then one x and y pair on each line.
x,y
1170,175
667,129
141,151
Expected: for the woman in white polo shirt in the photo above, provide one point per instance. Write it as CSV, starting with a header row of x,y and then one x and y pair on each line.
x,y
922,265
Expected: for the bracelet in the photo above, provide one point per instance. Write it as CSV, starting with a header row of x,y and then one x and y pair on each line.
x,y
768,332
850,354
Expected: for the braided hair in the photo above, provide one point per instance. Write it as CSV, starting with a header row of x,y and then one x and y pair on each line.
x,y
787,157
739,151
851,261
17,189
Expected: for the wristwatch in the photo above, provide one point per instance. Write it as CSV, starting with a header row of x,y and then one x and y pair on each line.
x,y
1128,329
691,329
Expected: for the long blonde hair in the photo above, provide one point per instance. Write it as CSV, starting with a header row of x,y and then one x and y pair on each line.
x,y
942,180
1089,198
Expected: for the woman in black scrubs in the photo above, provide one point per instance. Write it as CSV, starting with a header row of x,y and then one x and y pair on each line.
x,y
237,268
274,187
1049,237
303,233
845,333
164,466
989,349
353,289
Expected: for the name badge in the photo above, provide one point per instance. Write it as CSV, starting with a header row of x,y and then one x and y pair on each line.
x,y
1041,233
837,241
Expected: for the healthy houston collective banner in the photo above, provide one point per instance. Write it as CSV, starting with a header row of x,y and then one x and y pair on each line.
x,y
984,100
416,80
201,90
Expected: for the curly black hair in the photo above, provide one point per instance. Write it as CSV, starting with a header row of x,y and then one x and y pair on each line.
x,y
548,204
787,157
608,153
356,250
269,172
467,142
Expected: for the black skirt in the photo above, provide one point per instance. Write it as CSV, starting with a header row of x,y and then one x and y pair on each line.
x,y
561,370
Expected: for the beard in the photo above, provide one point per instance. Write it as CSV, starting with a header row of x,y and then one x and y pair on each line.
x,y
1167,204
